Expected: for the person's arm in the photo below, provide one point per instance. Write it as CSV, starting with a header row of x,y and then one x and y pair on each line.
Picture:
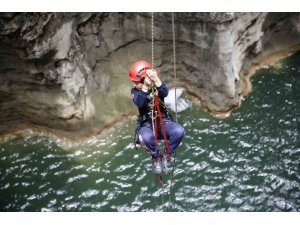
x,y
162,88
138,97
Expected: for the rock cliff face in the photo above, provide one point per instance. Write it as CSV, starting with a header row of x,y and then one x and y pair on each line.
x,y
68,71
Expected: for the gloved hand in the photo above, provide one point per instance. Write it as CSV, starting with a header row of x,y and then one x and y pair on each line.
x,y
146,84
153,76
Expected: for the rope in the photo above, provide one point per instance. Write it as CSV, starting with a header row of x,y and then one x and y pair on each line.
x,y
174,63
175,80
152,62
154,123
162,125
152,39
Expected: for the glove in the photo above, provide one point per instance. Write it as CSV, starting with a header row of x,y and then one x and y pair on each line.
x,y
153,76
146,84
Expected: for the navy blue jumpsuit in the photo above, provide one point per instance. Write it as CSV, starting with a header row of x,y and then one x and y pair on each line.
x,y
174,131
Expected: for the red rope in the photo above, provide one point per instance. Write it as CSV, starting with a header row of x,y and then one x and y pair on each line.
x,y
155,125
156,102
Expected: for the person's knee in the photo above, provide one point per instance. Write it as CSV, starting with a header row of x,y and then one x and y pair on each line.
x,y
147,138
179,131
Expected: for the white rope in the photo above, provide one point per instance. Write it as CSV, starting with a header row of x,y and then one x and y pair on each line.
x,y
152,39
152,62
175,81
174,63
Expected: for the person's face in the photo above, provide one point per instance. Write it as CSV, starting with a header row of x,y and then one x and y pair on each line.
x,y
138,84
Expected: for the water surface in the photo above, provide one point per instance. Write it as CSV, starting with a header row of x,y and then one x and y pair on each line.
x,y
247,162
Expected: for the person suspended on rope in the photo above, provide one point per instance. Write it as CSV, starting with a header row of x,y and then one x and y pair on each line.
x,y
147,89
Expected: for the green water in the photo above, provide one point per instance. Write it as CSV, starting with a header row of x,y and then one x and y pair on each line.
x,y
247,162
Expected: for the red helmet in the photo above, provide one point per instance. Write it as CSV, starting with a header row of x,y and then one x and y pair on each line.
x,y
138,70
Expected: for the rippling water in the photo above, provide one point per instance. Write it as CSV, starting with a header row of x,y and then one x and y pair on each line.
x,y
248,162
